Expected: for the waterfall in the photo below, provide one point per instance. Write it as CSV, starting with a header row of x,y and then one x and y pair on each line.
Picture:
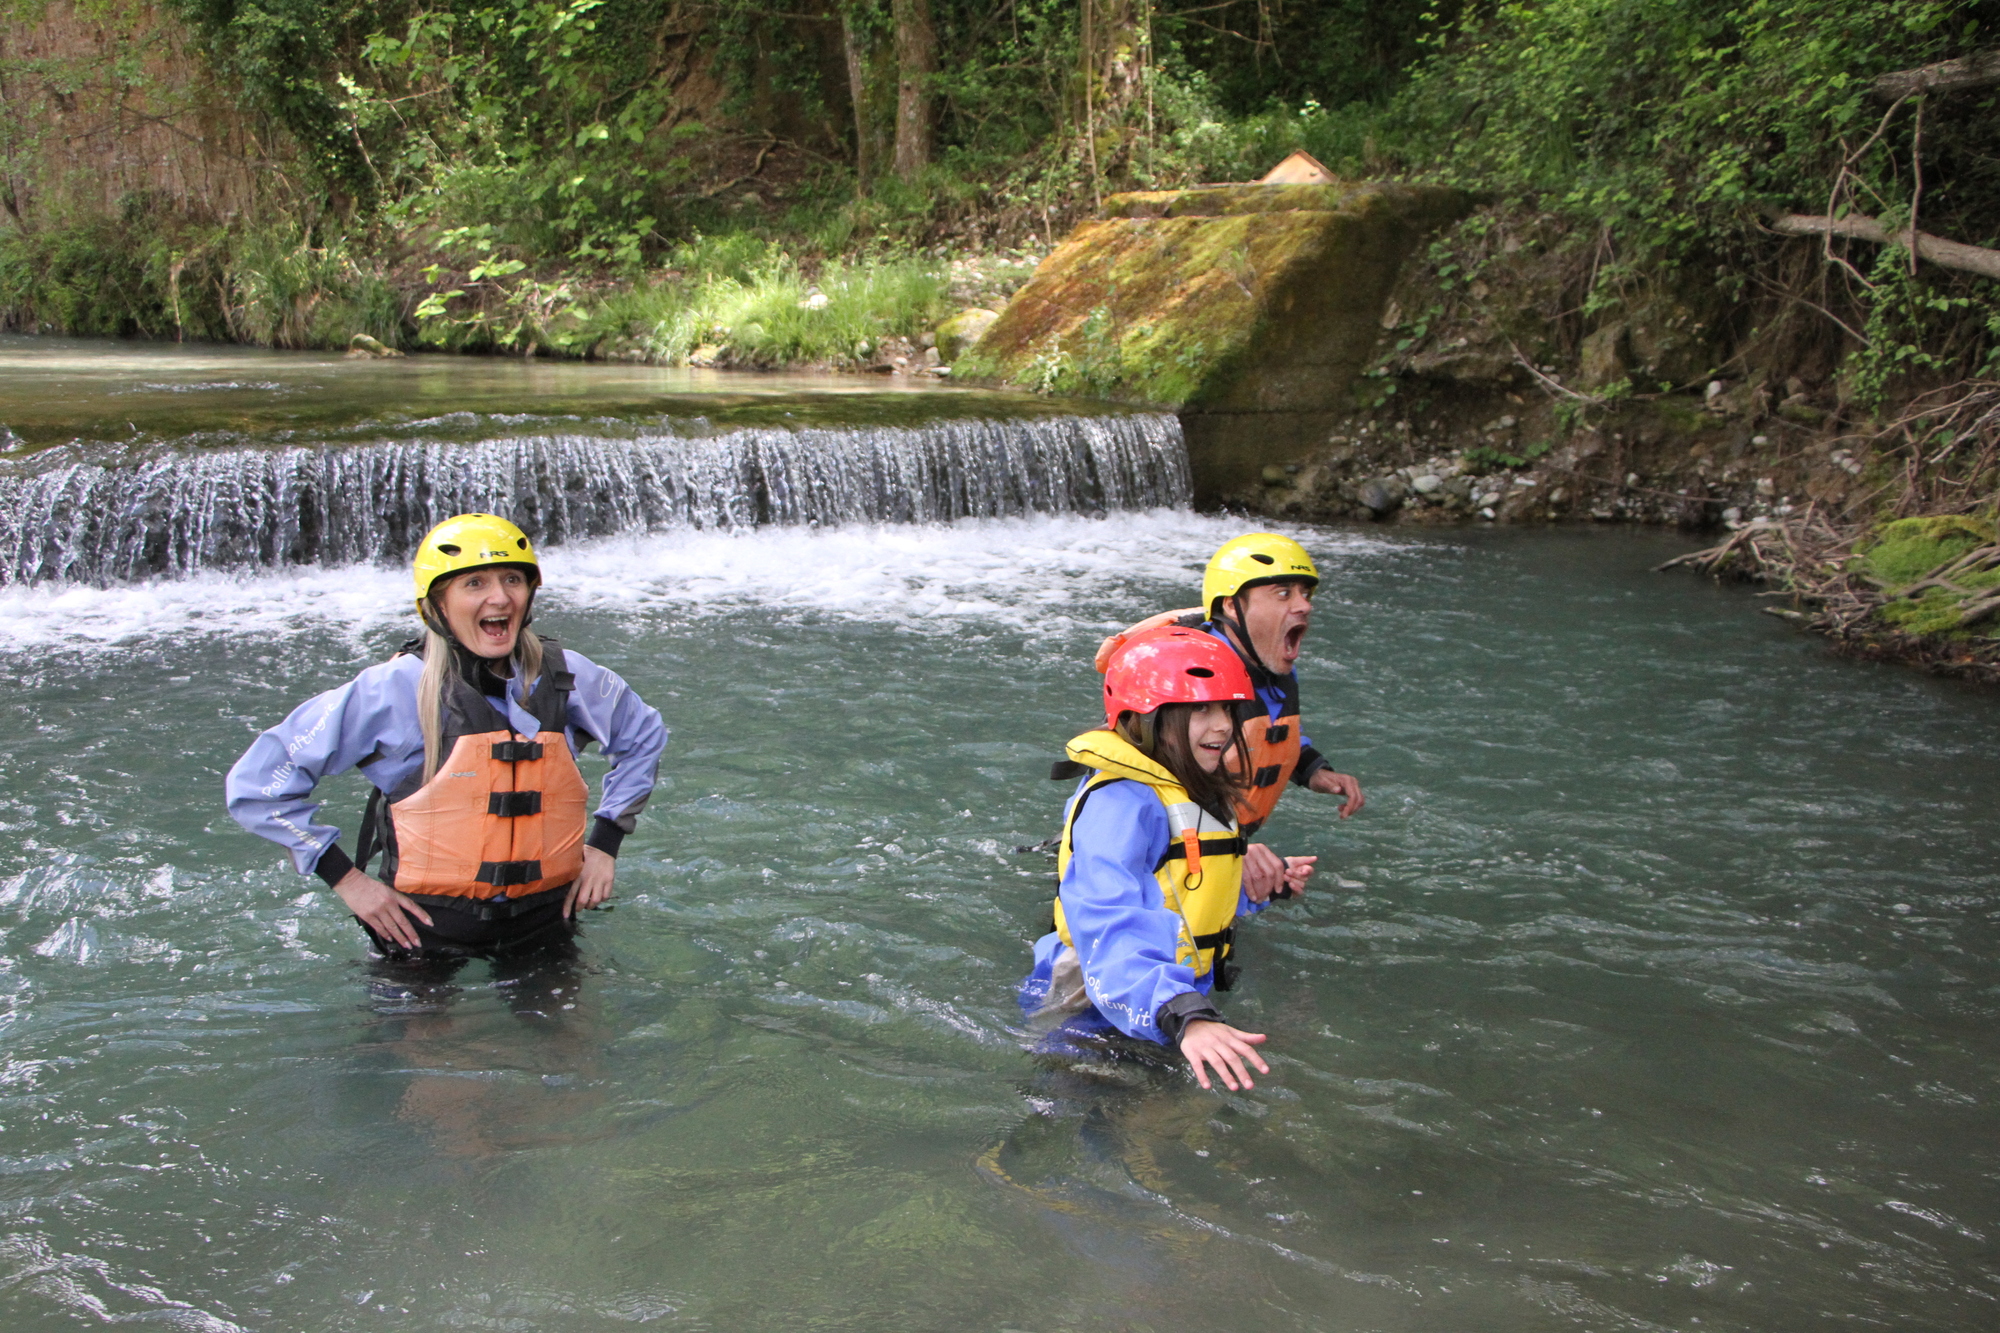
x,y
72,520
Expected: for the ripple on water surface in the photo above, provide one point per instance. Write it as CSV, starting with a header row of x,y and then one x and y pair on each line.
x,y
1654,986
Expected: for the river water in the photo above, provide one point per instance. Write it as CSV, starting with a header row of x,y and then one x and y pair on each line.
x,y
1655,987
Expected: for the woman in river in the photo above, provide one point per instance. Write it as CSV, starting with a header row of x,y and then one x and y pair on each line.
x,y
1150,868
469,735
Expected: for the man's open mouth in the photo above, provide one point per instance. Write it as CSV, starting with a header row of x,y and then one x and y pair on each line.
x,y
1295,636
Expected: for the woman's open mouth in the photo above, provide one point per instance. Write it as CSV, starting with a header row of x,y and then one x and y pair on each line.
x,y
496,629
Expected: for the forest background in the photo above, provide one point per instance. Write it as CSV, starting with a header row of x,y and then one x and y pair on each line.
x,y
666,178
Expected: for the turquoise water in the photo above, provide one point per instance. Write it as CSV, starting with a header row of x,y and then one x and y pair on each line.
x,y
1655,988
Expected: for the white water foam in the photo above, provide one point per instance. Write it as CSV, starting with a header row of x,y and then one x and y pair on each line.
x,y
1027,574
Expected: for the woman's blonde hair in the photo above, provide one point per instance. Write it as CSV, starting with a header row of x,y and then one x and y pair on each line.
x,y
527,662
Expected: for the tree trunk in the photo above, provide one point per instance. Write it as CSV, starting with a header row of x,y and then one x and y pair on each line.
x,y
916,63
869,80
1948,254
1946,76
1115,41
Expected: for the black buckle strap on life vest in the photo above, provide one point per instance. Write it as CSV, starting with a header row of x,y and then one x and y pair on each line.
x,y
1277,734
492,909
1224,944
1267,776
515,752
502,873
1177,850
364,843
1067,770
513,804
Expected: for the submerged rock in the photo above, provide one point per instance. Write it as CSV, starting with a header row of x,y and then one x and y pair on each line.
x,y
361,347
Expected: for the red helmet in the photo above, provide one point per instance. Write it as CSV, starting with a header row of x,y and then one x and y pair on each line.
x,y
1171,665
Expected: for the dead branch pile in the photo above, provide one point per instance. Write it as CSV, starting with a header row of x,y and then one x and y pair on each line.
x,y
1948,445
1809,561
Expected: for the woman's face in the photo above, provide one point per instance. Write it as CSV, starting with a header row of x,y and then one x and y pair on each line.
x,y
484,608
1210,731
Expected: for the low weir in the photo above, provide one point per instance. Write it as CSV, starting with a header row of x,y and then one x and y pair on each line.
x,y
66,516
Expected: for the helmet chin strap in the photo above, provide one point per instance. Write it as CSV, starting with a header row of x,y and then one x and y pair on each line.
x,y
1243,639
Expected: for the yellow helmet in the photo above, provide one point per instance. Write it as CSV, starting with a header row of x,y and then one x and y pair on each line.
x,y
1259,557
469,541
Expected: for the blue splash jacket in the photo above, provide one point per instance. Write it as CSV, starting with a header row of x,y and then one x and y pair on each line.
x,y
268,790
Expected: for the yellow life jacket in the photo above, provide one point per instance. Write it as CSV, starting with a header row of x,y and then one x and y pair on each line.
x,y
1201,872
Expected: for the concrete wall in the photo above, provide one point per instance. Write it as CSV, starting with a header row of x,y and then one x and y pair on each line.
x,y
1249,308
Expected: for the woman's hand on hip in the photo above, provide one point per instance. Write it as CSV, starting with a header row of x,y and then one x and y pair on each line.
x,y
593,882
1225,1050
381,908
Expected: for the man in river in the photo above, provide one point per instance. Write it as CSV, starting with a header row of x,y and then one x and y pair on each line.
x,y
1256,596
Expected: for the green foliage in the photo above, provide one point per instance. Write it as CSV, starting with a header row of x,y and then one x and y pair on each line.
x,y
280,54
147,273
760,309
1484,458
287,292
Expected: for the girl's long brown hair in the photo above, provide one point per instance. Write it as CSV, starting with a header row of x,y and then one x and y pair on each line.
x,y
1162,736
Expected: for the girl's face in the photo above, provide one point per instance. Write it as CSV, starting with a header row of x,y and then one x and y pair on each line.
x,y
484,609
1210,729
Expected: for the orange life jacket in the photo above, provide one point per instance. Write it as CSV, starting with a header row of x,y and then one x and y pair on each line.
x,y
1273,748
505,815
1272,745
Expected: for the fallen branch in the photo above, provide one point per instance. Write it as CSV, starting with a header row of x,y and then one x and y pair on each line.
x,y
1974,71
1551,385
1950,254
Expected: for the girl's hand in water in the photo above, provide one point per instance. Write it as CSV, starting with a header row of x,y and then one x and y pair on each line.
x,y
1224,1049
381,908
593,882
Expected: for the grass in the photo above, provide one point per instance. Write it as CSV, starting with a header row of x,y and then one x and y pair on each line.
x,y
716,306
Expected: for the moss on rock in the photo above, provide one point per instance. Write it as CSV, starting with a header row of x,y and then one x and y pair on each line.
x,y
1248,307
1909,548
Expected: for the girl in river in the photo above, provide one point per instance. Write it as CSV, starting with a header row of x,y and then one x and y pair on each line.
x,y
469,736
1150,866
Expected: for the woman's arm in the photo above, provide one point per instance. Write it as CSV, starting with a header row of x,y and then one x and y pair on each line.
x,y
268,790
630,733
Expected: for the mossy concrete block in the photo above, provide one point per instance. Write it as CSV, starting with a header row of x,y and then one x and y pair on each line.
x,y
1248,308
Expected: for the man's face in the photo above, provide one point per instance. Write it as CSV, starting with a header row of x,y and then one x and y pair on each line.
x,y
1276,616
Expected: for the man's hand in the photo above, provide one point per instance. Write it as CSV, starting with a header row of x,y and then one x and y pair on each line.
x,y
1299,869
1224,1049
1339,784
1263,872
593,883
381,908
